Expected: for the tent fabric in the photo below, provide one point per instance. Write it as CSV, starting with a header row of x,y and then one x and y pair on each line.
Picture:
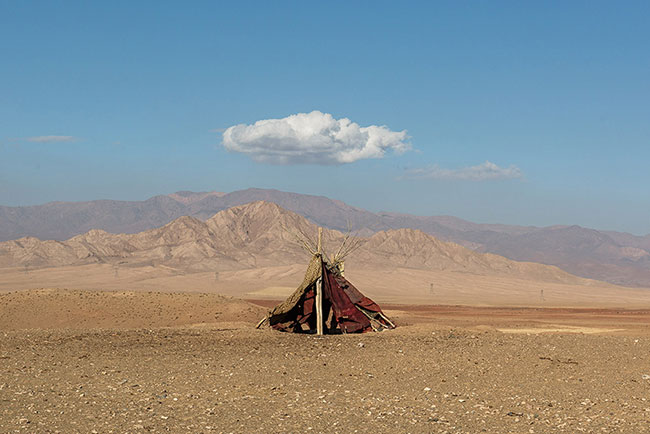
x,y
349,318
351,311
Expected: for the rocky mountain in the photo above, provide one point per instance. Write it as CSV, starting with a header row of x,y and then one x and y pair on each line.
x,y
256,235
412,248
240,237
611,256
581,251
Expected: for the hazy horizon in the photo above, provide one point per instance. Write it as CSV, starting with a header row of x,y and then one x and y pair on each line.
x,y
377,211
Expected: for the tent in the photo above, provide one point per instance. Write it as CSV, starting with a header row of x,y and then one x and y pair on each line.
x,y
326,302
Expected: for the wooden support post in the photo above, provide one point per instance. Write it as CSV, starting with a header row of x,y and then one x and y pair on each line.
x,y
262,321
319,306
319,289
320,241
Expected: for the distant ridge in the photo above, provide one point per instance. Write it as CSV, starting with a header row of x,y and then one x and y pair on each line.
x,y
188,197
615,257
259,234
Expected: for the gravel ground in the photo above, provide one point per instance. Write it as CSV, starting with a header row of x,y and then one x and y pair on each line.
x,y
418,378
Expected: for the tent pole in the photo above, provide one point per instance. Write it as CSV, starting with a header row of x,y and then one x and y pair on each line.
x,y
320,241
319,306
262,321
319,288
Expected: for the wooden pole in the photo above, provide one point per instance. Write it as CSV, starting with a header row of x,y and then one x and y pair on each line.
x,y
320,241
319,288
262,321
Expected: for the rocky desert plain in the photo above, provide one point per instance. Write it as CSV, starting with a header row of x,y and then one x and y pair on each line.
x,y
154,331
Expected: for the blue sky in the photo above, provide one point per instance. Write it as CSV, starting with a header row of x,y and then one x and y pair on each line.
x,y
125,100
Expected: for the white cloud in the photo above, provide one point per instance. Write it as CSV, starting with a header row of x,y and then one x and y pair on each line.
x,y
481,172
50,139
315,138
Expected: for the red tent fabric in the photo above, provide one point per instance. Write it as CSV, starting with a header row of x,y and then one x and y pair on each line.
x,y
345,308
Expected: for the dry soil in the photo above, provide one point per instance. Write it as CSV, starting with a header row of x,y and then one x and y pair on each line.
x,y
444,369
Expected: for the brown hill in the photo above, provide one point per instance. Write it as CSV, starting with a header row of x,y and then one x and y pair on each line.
x,y
241,237
260,234
612,256
414,249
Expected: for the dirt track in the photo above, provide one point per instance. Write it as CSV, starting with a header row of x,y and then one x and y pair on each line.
x,y
433,375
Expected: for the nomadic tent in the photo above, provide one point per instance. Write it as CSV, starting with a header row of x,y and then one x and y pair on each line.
x,y
326,302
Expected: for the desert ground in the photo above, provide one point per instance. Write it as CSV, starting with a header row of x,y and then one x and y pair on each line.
x,y
146,361
383,284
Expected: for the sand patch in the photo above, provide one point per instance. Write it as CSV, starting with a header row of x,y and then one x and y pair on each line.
x,y
274,291
559,329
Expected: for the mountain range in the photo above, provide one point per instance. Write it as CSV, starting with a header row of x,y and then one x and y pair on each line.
x,y
262,234
614,257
